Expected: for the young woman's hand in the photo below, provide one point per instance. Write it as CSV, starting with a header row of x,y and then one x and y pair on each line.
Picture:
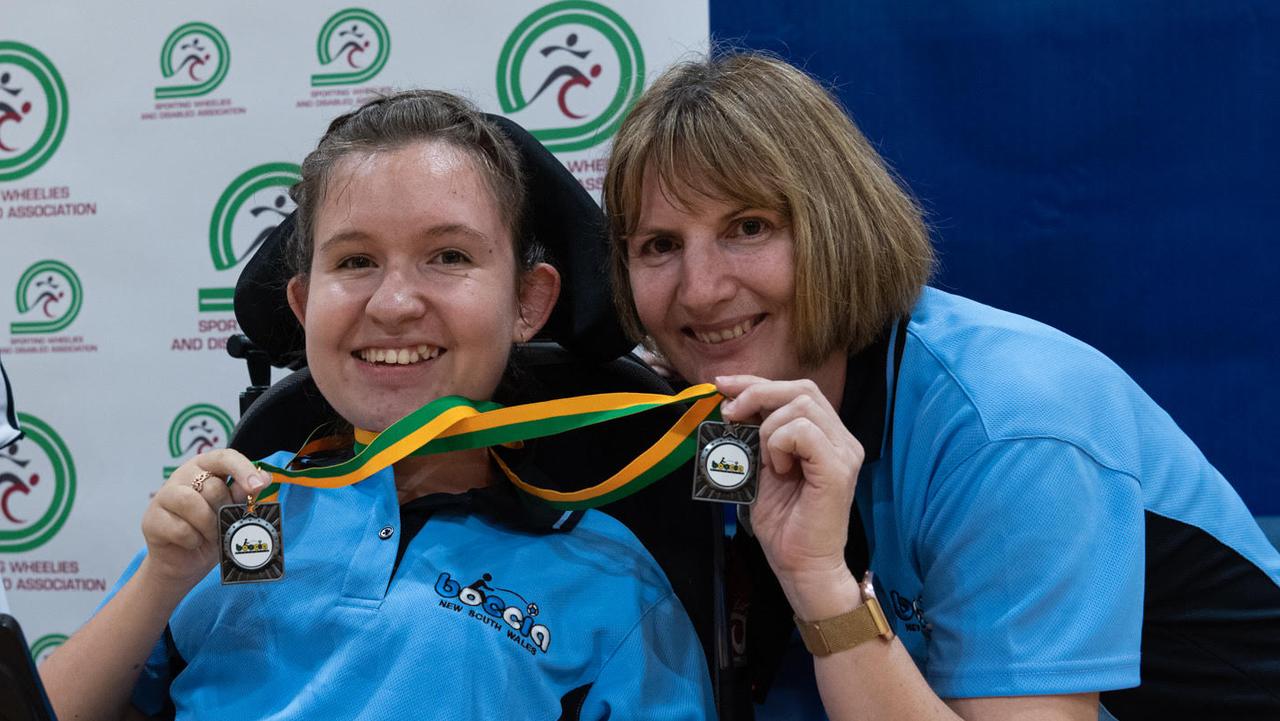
x,y
810,468
181,524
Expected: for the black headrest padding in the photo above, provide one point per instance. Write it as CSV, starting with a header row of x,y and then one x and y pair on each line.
x,y
561,215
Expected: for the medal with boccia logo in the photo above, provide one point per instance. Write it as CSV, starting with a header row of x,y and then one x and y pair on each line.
x,y
727,467
251,545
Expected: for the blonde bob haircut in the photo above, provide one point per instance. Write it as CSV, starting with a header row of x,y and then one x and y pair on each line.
x,y
749,129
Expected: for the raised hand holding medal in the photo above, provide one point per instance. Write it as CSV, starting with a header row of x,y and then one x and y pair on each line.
x,y
808,472
180,525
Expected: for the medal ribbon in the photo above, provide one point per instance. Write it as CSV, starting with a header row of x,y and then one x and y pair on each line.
x,y
454,424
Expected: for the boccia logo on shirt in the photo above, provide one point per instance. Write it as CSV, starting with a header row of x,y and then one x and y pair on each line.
x,y
353,47
49,297
194,60
33,110
198,428
37,487
569,72
245,214
502,609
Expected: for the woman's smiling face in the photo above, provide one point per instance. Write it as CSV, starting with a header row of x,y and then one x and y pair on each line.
x,y
412,290
714,285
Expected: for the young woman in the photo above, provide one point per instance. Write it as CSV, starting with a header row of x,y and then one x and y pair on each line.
x,y
414,277
1040,532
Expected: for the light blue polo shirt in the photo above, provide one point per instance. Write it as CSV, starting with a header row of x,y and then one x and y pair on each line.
x,y
480,620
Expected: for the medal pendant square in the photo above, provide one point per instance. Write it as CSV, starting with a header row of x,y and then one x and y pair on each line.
x,y
252,546
728,463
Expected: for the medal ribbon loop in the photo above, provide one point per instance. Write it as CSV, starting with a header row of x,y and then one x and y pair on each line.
x,y
454,423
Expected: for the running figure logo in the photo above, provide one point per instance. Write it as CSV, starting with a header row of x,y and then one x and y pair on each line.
x,y
198,428
14,479
584,66
244,216
8,113
353,46
49,296
195,58
37,487
574,76
33,110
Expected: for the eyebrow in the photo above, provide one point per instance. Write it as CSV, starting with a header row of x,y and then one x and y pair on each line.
x,y
435,231
658,230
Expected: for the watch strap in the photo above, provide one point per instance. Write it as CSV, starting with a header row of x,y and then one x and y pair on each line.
x,y
838,633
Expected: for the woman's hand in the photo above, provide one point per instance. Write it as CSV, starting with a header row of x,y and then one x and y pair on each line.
x,y
181,524
810,469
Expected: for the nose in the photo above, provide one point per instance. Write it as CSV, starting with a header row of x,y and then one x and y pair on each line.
x,y
707,276
397,300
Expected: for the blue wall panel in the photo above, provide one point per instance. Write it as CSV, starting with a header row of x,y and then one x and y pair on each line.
x,y
1108,168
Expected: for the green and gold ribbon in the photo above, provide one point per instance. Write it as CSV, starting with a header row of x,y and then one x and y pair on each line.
x,y
455,424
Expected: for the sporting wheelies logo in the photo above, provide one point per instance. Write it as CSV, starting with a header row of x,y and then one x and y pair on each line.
x,y
42,647
37,487
33,110
245,214
194,59
353,47
48,300
198,428
569,72
50,296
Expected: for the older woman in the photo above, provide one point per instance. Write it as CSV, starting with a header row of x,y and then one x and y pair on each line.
x,y
1040,532
414,277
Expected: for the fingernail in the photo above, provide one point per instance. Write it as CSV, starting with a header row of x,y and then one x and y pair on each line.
x,y
257,482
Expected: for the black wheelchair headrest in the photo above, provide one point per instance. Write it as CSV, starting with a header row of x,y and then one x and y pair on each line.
x,y
561,215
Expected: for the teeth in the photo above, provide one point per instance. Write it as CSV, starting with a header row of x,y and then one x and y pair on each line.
x,y
399,356
720,336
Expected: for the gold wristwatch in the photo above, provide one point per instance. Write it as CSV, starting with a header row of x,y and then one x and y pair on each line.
x,y
847,630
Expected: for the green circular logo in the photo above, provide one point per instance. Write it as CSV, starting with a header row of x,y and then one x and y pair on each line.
x,y
573,68
37,487
50,293
248,210
45,645
196,56
198,428
355,44
33,110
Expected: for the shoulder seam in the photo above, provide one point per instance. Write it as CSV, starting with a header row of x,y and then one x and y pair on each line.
x,y
1015,439
950,374
664,598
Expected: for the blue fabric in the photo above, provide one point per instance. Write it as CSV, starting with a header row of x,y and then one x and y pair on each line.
x,y
1006,523
339,637
1105,167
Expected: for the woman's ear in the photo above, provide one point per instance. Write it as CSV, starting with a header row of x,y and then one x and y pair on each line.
x,y
297,294
539,289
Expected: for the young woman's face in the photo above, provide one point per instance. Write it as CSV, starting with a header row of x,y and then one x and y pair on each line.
x,y
412,293
714,285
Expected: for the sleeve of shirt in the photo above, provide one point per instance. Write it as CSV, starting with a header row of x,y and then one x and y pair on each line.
x,y
151,692
657,673
1031,555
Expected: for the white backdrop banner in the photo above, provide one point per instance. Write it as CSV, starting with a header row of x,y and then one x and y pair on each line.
x,y
146,148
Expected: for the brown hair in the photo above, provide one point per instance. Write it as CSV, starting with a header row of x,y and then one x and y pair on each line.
x,y
751,129
393,121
